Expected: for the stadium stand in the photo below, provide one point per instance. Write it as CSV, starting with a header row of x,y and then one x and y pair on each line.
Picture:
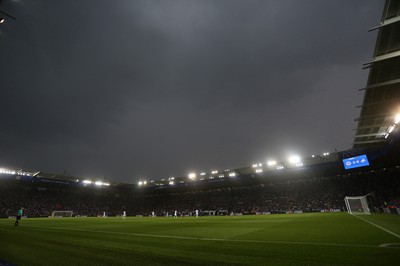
x,y
315,188
319,183
381,98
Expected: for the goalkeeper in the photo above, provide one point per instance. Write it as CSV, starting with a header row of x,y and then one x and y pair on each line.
x,y
19,215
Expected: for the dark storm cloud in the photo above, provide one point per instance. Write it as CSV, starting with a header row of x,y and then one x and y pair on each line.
x,y
152,88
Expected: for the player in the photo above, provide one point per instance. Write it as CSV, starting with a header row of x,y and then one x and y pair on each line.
x,y
153,214
124,215
197,213
175,214
19,215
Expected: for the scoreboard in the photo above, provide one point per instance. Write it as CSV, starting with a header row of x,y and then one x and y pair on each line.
x,y
355,162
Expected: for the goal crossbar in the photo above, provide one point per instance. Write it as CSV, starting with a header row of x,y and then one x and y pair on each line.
x,y
62,214
357,204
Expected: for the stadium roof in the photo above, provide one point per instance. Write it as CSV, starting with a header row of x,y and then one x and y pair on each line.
x,y
380,110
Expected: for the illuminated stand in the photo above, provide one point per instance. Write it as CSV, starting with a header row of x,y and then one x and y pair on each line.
x,y
357,205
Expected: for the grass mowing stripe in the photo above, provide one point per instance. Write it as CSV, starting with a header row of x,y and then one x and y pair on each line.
x,y
210,239
378,226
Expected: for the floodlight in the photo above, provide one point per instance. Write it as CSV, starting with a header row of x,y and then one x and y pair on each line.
x,y
2,20
192,176
35,174
140,183
106,184
87,181
98,183
144,182
221,176
259,170
7,171
202,174
171,182
294,159
397,119
233,174
214,172
280,167
271,163
390,129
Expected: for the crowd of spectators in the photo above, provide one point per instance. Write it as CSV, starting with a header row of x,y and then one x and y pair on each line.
x,y
270,196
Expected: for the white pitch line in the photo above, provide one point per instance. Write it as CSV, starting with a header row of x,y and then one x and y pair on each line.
x,y
378,226
207,239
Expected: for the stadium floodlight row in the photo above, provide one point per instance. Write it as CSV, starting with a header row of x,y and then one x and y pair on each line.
x,y
271,167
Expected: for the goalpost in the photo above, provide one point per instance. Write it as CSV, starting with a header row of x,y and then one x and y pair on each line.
x,y
57,214
357,205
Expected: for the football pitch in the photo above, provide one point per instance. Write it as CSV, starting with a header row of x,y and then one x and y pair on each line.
x,y
295,239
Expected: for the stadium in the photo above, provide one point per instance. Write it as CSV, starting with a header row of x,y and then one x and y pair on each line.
x,y
336,208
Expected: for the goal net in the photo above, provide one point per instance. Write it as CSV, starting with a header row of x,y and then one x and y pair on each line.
x,y
357,205
57,214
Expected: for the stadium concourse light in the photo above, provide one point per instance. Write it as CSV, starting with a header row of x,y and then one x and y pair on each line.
x,y
232,174
259,170
214,172
255,165
203,174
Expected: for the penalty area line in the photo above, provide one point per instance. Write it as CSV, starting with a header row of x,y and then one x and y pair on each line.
x,y
208,239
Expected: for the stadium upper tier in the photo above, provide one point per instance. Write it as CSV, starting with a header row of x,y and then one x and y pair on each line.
x,y
380,110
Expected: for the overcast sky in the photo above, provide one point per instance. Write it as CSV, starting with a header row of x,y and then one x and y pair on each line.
x,y
158,88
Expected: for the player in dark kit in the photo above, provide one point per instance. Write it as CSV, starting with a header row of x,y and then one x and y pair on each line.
x,y
19,215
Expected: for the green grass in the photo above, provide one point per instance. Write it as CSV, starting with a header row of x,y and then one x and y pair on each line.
x,y
300,239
